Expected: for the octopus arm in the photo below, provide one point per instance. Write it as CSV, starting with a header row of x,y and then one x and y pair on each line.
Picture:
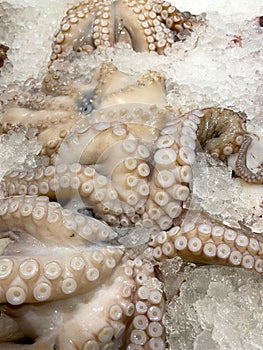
x,y
117,88
130,22
145,329
109,315
171,175
52,125
41,119
129,317
81,184
241,168
148,26
221,131
75,30
56,275
210,244
48,223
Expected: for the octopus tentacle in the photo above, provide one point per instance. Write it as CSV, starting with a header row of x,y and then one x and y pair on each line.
x,y
128,161
30,278
209,243
241,168
127,173
58,110
172,173
66,182
28,213
129,318
75,29
156,196
145,330
115,87
51,125
107,325
147,26
36,101
105,328
130,25
221,132
152,26
46,278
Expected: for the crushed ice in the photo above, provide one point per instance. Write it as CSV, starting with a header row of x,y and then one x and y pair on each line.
x,y
219,65
217,309
18,150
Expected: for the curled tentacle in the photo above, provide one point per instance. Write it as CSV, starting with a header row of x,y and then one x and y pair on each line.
x,y
69,182
221,132
71,321
241,168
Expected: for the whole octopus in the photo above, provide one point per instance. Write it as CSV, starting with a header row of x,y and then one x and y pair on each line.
x,y
119,161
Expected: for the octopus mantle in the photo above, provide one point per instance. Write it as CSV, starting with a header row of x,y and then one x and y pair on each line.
x,y
119,162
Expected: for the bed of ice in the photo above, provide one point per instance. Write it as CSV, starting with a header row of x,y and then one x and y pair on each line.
x,y
221,64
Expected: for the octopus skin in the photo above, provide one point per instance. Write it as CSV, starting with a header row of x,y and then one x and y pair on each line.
x,y
123,189
119,153
79,273
128,161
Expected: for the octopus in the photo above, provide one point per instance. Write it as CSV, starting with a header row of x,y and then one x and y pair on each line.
x,y
119,162
145,26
